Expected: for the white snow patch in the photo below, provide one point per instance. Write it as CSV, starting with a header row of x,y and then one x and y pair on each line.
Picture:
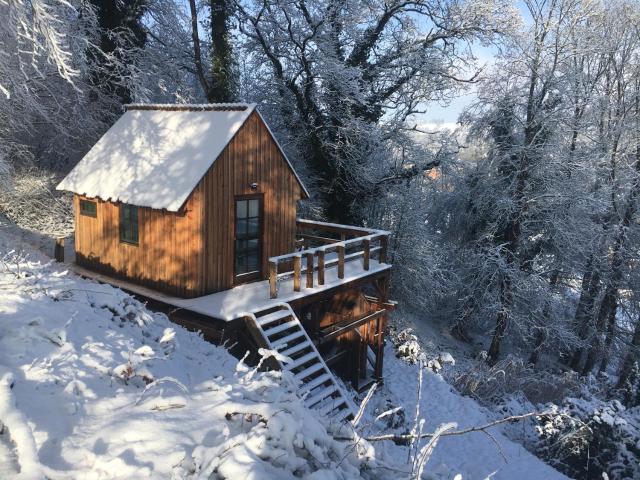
x,y
89,389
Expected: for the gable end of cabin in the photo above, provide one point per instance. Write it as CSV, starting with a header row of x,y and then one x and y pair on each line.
x,y
251,173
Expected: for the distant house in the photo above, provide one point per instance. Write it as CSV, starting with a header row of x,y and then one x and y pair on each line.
x,y
195,206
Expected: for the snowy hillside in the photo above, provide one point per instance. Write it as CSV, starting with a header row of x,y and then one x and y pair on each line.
x,y
93,385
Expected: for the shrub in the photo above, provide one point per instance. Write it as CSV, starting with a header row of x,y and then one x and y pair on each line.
x,y
589,438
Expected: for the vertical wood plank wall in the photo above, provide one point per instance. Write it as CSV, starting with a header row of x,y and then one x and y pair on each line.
x,y
191,252
251,157
168,256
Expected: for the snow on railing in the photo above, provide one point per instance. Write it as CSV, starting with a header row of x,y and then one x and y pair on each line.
x,y
363,238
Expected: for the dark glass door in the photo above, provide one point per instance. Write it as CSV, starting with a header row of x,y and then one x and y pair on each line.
x,y
248,238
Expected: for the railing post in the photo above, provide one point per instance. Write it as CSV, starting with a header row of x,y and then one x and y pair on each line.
x,y
367,253
320,267
384,241
297,261
309,270
273,279
340,261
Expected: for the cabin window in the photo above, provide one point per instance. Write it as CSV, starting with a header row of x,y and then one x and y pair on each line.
x,y
88,208
129,223
248,237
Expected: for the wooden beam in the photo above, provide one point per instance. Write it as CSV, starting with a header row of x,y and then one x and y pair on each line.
x,y
389,305
350,326
379,347
309,270
340,261
297,265
256,336
316,238
384,242
273,279
320,267
304,224
335,358
367,253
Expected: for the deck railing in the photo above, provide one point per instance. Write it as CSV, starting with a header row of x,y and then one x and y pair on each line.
x,y
317,242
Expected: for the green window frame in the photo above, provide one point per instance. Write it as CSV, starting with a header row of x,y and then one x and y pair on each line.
x,y
88,208
129,224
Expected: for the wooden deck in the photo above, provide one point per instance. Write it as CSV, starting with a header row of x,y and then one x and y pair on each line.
x,y
236,302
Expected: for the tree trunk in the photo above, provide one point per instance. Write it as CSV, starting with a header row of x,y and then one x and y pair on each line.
x,y
610,334
541,335
631,357
597,341
584,311
501,321
221,88
534,356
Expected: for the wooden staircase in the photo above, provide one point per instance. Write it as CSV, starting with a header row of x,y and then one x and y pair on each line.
x,y
281,330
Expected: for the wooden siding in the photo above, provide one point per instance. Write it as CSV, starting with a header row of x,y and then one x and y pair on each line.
x,y
168,256
251,157
191,252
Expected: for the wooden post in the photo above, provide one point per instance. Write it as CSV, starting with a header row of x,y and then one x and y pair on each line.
x,y
297,262
364,350
384,241
355,358
58,251
379,346
309,270
340,261
273,279
367,253
320,267
381,325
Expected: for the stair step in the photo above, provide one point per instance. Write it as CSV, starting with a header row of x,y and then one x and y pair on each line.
x,y
282,328
340,415
308,371
307,387
324,393
273,317
302,360
285,340
330,405
296,348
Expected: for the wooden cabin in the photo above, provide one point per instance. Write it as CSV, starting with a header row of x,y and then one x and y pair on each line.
x,y
187,202
195,207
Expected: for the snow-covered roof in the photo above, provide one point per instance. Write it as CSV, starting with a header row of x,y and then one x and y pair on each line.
x,y
155,155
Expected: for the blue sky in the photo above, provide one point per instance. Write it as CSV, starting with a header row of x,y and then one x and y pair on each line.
x,y
436,113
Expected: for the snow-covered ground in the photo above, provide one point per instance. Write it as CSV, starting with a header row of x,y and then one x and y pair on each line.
x,y
475,455
93,385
